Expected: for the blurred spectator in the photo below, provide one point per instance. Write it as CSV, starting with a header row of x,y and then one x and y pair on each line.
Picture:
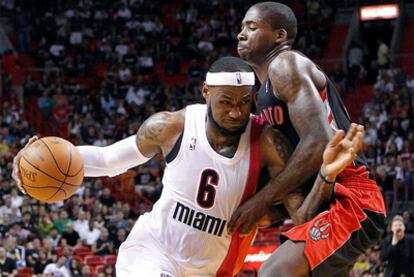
x,y
16,200
408,222
382,55
93,233
58,268
17,79
103,246
109,271
75,268
397,251
54,237
70,236
46,104
16,251
86,271
7,265
120,237
361,265
355,58
44,226
63,220
106,198
41,262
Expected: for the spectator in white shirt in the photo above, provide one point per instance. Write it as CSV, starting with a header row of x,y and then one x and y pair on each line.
x,y
81,225
57,269
92,234
16,200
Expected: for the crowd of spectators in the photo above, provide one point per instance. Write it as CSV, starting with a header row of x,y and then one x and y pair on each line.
x,y
99,68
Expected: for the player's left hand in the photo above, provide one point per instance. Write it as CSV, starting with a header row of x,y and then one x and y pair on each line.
x,y
16,162
247,216
341,151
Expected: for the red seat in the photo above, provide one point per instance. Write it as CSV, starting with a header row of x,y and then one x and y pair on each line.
x,y
81,249
94,260
110,259
24,272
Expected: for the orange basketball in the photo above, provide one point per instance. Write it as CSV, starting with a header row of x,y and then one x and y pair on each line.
x,y
51,169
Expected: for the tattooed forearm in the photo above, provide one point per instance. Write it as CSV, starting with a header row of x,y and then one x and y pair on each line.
x,y
284,148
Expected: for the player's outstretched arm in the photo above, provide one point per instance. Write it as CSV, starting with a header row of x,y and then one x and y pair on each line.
x,y
339,153
156,135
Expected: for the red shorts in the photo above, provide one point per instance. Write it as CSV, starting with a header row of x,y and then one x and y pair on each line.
x,y
354,222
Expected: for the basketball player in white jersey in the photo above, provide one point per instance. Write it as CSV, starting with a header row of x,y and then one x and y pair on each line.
x,y
213,155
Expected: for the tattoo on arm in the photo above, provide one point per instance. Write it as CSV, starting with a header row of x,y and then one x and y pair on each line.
x,y
284,148
152,129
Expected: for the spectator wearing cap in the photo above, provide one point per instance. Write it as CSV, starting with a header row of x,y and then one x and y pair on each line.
x,y
397,251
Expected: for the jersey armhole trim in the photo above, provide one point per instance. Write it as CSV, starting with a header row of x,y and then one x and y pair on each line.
x,y
175,150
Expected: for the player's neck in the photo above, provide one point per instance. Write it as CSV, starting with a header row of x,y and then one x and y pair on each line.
x,y
261,67
224,144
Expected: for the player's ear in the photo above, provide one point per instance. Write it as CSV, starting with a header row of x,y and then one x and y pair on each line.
x,y
206,92
281,35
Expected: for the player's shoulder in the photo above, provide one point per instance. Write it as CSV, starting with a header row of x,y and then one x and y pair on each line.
x,y
163,125
289,62
169,119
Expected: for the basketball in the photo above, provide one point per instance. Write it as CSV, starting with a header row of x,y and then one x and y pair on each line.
x,y
51,169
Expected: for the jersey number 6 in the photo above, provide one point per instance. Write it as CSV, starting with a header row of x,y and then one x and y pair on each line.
x,y
206,190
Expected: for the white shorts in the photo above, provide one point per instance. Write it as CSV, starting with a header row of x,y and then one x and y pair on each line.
x,y
137,260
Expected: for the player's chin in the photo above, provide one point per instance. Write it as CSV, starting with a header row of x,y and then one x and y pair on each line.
x,y
235,128
243,53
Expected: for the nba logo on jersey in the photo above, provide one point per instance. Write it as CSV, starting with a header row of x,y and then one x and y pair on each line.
x,y
238,77
193,143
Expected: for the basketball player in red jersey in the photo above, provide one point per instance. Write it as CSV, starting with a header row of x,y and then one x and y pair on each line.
x,y
297,98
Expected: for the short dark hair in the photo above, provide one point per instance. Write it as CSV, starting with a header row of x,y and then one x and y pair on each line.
x,y
230,64
279,16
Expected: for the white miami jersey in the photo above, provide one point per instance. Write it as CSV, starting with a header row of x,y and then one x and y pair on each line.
x,y
202,189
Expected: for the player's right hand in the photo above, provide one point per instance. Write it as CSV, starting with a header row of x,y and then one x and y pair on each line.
x,y
16,162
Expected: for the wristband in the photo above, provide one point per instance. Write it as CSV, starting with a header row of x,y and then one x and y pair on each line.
x,y
324,179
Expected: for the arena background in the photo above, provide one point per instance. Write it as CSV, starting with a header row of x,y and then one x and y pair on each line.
x,y
92,71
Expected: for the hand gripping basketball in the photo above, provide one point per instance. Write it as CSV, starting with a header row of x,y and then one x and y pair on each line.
x,y
49,169
16,161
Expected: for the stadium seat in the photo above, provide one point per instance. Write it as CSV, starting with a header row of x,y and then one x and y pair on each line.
x,y
110,259
24,272
94,260
82,251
